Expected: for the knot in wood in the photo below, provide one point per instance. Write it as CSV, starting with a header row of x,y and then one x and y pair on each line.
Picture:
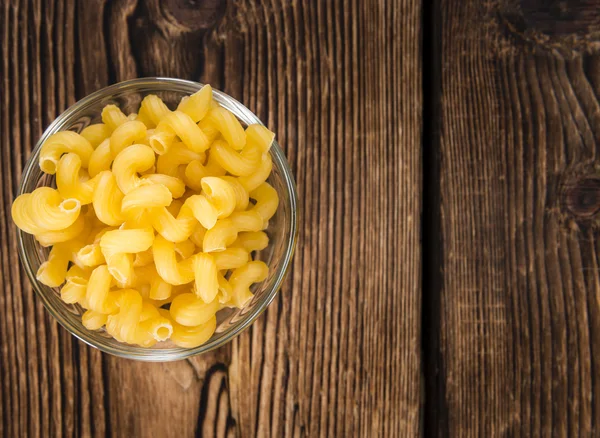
x,y
192,15
583,198
561,17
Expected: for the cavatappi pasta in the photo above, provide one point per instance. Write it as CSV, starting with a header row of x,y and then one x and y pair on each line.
x,y
155,218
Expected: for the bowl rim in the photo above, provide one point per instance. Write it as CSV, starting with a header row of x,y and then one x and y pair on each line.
x,y
130,351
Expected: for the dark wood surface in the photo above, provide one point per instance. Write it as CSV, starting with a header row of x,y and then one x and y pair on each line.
x,y
517,195
446,281
338,352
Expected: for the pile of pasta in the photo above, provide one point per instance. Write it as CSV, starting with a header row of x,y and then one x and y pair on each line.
x,y
154,218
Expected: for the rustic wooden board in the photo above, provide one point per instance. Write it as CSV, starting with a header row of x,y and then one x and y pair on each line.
x,y
338,352
518,295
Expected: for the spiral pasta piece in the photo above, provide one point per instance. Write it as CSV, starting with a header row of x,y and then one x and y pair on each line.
x,y
118,247
167,266
197,105
229,127
107,199
175,185
148,196
189,310
177,155
260,175
49,238
123,325
98,295
125,135
62,143
191,337
101,159
267,200
242,278
128,163
47,210
178,124
152,110
68,180
113,117
242,163
96,134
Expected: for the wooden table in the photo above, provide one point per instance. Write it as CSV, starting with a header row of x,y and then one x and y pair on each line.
x,y
446,280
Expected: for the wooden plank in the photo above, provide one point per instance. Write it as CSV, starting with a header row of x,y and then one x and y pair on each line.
x,y
338,352
518,298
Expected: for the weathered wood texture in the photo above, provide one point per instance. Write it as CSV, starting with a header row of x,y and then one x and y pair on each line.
x,y
338,352
519,293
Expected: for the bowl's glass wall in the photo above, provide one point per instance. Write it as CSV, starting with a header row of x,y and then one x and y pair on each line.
x,y
281,230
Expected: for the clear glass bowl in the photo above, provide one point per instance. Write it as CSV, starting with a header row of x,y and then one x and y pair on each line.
x,y
282,229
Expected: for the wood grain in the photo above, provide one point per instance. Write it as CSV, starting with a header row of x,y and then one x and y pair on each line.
x,y
338,352
519,291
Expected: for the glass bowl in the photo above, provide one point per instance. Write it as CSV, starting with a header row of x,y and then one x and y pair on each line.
x,y
282,228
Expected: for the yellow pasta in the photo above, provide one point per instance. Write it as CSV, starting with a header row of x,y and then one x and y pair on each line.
x,y
53,271
178,124
197,236
49,238
225,290
118,247
177,155
155,208
221,194
101,159
123,325
44,210
98,295
21,215
147,196
153,327
113,117
167,266
129,163
190,337
68,180
241,194
91,255
195,171
237,163
152,110
174,229
63,143
96,134
230,258
197,105
143,258
242,278
74,290
260,136
266,199
147,275
175,185
185,249
205,275
93,320
252,241
220,236
229,127
189,310
125,135
249,220
209,128
259,176
107,199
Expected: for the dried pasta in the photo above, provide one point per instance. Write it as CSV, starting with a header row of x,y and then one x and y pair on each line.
x,y
155,219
